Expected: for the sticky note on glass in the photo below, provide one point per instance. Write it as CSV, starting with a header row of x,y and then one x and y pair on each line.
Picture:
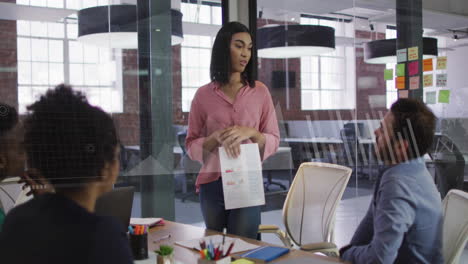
x,y
388,74
400,69
414,83
427,65
413,68
431,97
400,82
401,55
444,96
403,94
413,53
428,80
441,80
442,63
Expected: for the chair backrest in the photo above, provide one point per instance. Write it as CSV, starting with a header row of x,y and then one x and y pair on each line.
x,y
181,139
310,206
189,165
455,228
449,163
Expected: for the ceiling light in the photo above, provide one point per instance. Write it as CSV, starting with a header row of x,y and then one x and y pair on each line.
x,y
384,51
94,28
292,41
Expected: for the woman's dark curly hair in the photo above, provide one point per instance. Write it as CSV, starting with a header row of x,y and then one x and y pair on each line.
x,y
8,120
220,67
68,140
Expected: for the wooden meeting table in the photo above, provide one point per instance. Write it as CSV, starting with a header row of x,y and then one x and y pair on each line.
x,y
182,232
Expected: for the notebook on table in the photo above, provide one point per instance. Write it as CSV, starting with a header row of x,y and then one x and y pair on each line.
x,y
264,254
152,221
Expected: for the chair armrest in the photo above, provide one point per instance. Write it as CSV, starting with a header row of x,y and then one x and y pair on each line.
x,y
277,231
267,228
318,246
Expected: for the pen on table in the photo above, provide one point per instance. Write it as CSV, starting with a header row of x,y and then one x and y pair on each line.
x,y
229,249
202,244
224,235
162,238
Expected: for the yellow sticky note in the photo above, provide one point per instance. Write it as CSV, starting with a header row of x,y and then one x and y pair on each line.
x,y
442,63
242,261
428,80
413,53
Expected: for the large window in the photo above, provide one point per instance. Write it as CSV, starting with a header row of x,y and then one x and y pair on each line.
x,y
196,48
195,60
326,82
48,54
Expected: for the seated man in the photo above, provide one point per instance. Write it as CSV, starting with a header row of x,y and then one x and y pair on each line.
x,y
404,220
11,151
74,146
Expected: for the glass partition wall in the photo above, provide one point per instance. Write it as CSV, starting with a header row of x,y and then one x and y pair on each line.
x,y
328,101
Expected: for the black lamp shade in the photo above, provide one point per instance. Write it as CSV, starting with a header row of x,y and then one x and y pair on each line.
x,y
94,27
281,41
384,50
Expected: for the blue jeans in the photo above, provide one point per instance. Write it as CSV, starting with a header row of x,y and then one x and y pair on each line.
x,y
242,221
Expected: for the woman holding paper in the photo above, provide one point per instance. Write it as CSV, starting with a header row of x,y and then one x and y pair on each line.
x,y
231,110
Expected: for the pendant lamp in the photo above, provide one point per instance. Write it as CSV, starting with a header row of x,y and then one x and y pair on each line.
x,y
384,50
292,41
95,27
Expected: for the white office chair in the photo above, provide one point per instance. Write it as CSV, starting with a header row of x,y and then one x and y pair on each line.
x,y
455,232
310,206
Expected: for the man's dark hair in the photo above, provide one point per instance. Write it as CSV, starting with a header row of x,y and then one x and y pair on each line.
x,y
416,124
220,67
68,140
8,120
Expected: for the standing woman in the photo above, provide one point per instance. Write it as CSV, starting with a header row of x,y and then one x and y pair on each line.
x,y
231,110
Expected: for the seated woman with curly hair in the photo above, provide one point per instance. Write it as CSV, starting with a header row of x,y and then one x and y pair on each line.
x,y
74,146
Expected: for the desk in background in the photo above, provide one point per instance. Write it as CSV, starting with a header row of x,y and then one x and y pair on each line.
x,y
181,232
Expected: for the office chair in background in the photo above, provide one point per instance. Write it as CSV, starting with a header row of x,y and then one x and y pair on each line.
x,y
449,164
191,168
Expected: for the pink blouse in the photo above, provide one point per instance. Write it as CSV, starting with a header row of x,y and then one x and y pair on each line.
x,y
212,110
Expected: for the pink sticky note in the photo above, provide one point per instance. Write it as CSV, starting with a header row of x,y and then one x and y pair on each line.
x,y
413,68
414,82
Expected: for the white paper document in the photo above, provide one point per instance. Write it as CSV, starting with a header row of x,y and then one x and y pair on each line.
x,y
242,178
239,244
145,221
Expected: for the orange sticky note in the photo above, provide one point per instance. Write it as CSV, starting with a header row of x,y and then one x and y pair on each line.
x,y
427,65
400,82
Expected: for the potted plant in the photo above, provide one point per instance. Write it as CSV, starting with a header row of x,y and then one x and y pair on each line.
x,y
165,255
